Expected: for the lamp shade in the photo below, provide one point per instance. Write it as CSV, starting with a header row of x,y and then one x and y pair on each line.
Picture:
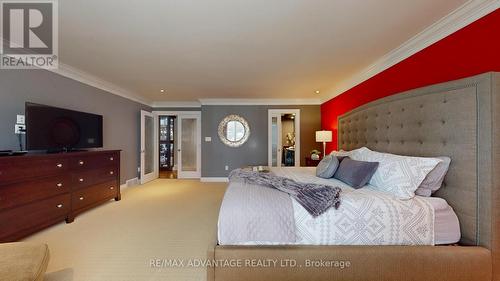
x,y
323,136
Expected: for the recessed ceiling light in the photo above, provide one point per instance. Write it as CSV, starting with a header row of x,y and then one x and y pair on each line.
x,y
317,92
162,91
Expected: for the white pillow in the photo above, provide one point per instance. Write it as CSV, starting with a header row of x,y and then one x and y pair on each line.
x,y
435,178
397,174
350,153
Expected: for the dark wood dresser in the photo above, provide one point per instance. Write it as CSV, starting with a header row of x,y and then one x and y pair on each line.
x,y
39,190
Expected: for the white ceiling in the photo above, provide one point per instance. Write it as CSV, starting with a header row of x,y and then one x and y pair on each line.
x,y
236,48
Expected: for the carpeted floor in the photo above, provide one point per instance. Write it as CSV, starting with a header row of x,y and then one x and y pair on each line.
x,y
164,219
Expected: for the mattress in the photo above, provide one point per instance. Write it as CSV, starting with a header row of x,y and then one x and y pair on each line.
x,y
446,225
245,221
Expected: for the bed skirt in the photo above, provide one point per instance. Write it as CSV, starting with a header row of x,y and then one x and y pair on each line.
x,y
350,263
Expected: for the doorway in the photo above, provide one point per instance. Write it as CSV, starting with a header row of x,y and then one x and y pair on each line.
x,y
284,138
179,144
168,147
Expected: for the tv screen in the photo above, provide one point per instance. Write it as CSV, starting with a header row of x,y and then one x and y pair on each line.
x,y
52,128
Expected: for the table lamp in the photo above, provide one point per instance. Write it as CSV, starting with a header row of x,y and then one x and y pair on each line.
x,y
324,137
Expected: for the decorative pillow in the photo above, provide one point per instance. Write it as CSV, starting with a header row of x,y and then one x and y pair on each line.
x,y
396,174
355,173
350,154
435,178
327,167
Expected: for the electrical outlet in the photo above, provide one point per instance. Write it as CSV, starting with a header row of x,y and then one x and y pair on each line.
x,y
208,139
20,119
19,129
226,167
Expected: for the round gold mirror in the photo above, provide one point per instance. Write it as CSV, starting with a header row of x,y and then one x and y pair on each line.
x,y
233,130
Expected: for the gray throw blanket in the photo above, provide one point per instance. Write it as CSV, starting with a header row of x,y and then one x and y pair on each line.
x,y
315,198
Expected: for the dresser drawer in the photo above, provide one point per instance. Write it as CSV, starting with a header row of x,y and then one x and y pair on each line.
x,y
13,169
90,195
26,192
95,161
82,179
29,218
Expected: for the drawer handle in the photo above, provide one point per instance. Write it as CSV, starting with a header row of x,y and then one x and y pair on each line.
x,y
59,185
112,188
80,180
81,198
59,206
59,165
111,172
111,158
81,162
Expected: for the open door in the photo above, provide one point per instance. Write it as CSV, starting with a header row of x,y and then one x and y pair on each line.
x,y
284,138
189,145
149,165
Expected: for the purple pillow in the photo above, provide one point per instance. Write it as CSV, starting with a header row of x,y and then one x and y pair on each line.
x,y
355,173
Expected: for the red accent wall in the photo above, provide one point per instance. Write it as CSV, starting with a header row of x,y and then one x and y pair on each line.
x,y
471,50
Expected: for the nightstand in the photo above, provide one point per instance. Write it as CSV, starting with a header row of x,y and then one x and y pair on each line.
x,y
312,163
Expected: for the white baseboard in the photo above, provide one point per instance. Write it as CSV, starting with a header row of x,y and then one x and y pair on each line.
x,y
214,179
130,183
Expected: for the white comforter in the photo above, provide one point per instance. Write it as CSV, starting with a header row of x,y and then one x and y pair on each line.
x,y
365,217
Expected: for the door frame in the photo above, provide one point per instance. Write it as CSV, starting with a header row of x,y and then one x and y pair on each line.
x,y
270,114
179,115
144,178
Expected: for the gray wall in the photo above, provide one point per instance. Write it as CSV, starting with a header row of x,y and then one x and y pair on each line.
x,y
121,116
215,155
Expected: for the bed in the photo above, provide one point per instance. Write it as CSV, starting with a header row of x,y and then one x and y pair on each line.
x,y
458,119
366,216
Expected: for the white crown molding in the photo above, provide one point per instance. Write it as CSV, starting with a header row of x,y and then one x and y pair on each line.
x,y
180,104
94,81
454,21
260,101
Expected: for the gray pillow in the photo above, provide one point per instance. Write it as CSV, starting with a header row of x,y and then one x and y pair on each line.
x,y
355,173
434,178
327,167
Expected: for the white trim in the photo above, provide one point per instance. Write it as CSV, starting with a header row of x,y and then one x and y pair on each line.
x,y
214,179
180,104
270,114
456,20
129,183
94,81
260,101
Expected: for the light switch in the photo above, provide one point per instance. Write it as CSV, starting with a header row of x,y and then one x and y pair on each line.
x,y
20,119
208,139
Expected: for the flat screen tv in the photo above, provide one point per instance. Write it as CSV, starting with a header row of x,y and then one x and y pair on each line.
x,y
57,129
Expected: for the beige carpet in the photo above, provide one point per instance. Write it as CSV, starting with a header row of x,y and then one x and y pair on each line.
x,y
165,219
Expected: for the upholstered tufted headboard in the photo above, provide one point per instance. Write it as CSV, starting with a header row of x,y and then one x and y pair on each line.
x,y
455,119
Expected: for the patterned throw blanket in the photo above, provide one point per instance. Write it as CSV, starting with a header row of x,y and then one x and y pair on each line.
x,y
315,198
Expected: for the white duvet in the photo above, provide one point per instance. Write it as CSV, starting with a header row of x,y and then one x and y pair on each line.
x,y
365,217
